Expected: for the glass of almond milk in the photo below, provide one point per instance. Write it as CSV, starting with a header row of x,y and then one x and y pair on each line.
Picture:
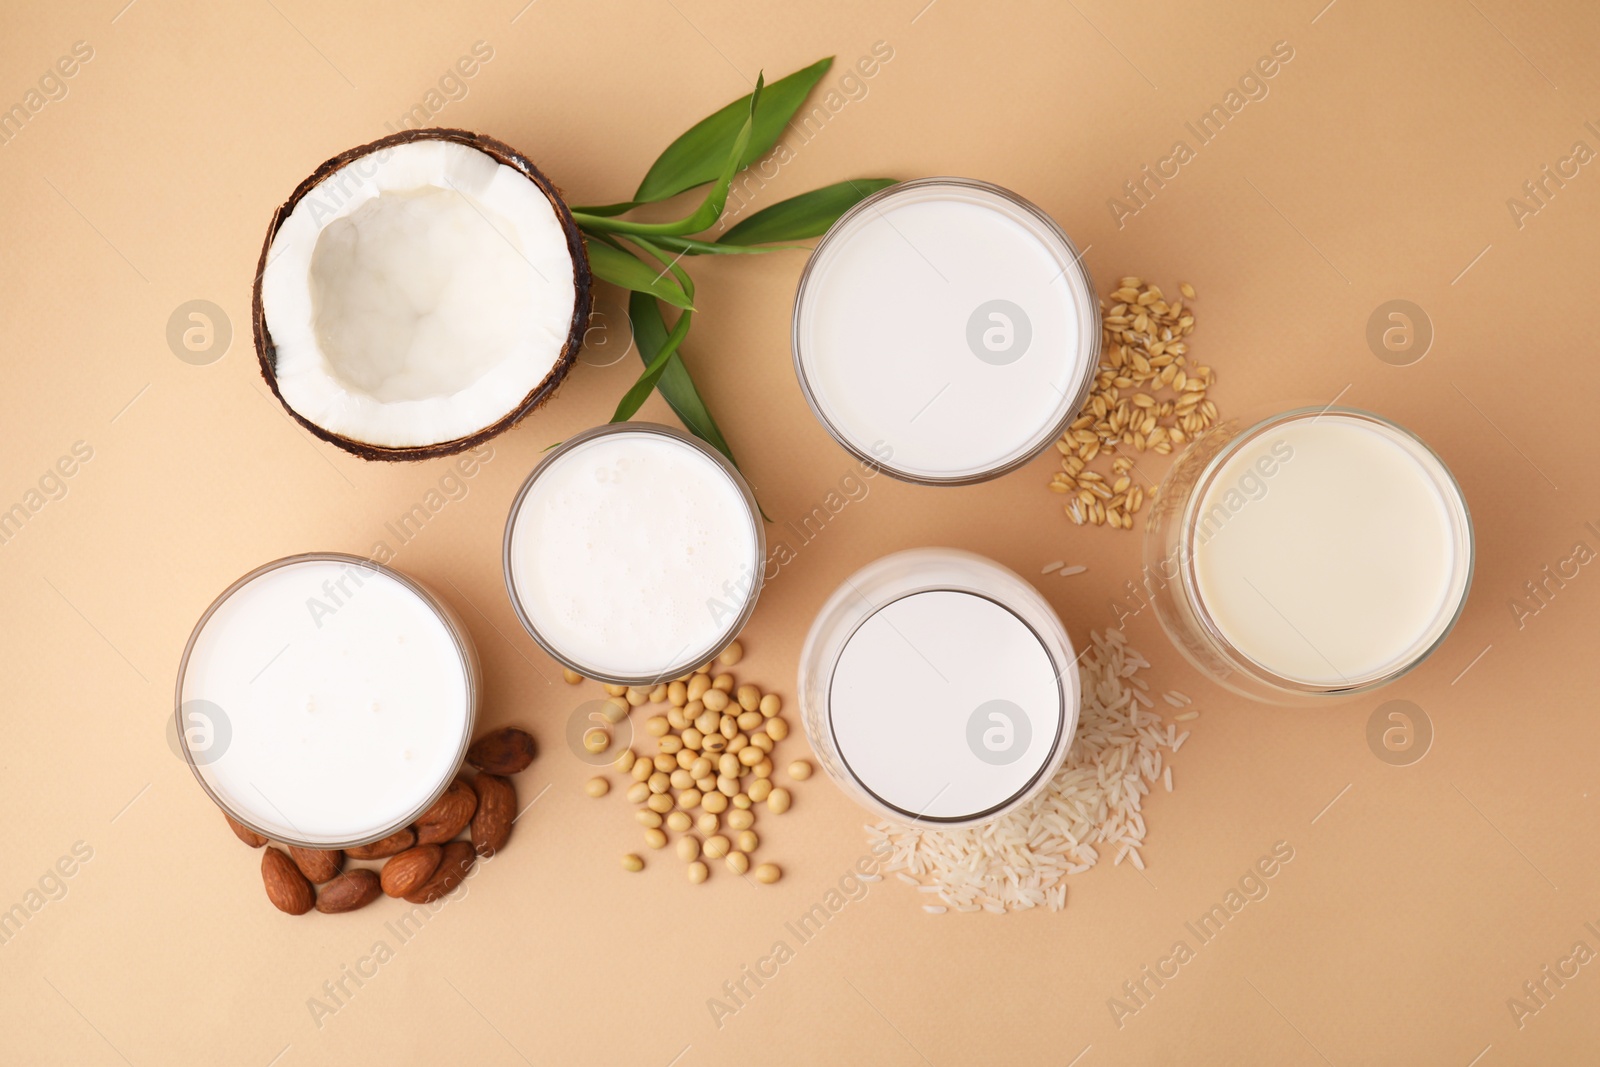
x,y
938,688
326,701
945,330
1309,554
634,553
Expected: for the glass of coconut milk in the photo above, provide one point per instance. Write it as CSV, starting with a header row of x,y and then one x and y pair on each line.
x,y
939,688
945,330
634,553
326,701
1313,553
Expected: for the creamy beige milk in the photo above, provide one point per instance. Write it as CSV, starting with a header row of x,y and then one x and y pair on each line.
x,y
1331,549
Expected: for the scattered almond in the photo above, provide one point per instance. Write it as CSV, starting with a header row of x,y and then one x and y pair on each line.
x,y
454,864
497,807
286,887
449,815
409,870
244,833
505,751
396,842
317,864
351,890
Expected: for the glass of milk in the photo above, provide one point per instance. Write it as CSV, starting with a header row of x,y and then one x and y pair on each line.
x,y
945,330
326,701
634,553
1314,553
938,688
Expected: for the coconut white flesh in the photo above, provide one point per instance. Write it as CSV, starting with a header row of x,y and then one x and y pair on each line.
x,y
417,295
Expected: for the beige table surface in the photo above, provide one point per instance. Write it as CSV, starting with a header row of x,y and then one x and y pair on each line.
x,y
1378,166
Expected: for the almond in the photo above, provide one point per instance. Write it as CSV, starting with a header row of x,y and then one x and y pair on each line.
x,y
287,888
497,806
409,869
449,815
453,867
398,841
244,833
505,751
317,865
351,890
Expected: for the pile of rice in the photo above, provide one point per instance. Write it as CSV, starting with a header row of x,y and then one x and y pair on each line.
x,y
1092,803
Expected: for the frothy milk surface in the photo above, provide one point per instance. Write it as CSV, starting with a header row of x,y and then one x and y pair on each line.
x,y
342,695
632,552
1331,549
945,704
947,323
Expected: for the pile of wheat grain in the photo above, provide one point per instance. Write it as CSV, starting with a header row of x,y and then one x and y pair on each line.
x,y
1091,806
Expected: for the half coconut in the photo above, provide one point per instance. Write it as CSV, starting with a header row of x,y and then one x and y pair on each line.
x,y
420,294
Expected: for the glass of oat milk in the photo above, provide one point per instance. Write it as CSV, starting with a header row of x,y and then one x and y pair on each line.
x,y
945,330
1313,553
634,553
938,688
326,701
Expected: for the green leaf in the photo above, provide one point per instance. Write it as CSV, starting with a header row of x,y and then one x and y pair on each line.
x,y
699,248
710,208
697,157
676,386
806,215
646,383
620,268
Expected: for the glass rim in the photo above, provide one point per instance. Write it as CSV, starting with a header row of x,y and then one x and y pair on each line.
x,y
1076,270
739,621
1455,502
835,626
452,626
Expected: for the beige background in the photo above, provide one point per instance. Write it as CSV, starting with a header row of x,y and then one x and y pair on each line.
x,y
1378,167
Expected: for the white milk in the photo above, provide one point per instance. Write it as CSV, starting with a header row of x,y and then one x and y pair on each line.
x,y
341,701
1331,549
936,685
945,330
632,554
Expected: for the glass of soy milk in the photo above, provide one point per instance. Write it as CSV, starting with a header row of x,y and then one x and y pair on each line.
x,y
938,688
634,553
326,701
1315,553
945,330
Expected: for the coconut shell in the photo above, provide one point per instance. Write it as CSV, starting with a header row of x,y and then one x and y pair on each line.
x,y
266,351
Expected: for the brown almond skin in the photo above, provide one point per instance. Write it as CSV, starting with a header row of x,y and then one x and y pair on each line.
x,y
244,833
449,815
497,806
453,867
316,864
351,890
407,870
395,843
505,751
287,888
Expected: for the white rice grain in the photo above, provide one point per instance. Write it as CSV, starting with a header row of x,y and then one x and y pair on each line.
x,y
1021,861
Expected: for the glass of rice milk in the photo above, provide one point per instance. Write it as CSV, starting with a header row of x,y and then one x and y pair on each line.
x,y
1313,553
938,688
326,701
634,553
945,330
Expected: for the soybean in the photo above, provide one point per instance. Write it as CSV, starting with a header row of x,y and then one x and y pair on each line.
x,y
657,726
749,697
778,801
648,818
631,862
731,655
597,787
698,872
799,770
771,704
717,847
768,873
659,802
688,849
655,839
746,841
678,821
638,792
572,677
737,862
